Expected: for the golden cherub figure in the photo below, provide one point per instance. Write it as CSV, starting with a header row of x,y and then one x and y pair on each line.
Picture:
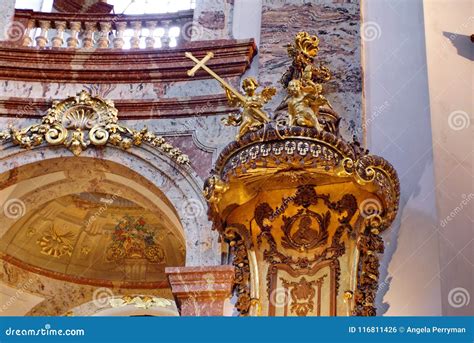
x,y
314,88
252,116
302,106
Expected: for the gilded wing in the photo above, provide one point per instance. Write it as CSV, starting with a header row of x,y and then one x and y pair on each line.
x,y
309,98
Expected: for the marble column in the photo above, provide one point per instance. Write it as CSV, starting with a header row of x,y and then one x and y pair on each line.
x,y
202,291
7,9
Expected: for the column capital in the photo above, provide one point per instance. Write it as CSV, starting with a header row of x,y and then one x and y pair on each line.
x,y
201,291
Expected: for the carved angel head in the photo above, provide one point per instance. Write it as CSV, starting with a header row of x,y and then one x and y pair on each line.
x,y
249,85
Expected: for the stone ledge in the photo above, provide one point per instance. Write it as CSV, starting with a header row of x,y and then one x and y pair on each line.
x,y
232,58
201,291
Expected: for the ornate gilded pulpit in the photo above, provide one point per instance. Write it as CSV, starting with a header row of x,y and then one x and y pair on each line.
x,y
300,207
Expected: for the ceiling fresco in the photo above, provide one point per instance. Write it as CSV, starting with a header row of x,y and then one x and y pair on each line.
x,y
95,236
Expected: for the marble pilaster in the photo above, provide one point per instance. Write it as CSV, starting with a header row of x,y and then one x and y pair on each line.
x,y
201,291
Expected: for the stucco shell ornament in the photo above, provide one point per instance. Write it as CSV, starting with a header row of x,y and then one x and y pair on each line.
x,y
84,120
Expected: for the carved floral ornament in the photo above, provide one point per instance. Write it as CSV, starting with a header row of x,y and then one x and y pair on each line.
x,y
84,120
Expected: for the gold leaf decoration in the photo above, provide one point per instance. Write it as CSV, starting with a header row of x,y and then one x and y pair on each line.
x,y
83,120
56,244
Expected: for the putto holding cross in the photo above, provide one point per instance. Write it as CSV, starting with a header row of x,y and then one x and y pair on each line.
x,y
304,105
252,116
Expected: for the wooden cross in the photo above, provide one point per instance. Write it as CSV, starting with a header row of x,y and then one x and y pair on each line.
x,y
202,64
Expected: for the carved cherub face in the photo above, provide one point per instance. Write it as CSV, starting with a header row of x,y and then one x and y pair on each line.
x,y
294,87
249,85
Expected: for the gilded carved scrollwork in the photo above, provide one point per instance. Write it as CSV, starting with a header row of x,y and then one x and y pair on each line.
x,y
214,187
305,237
303,293
302,249
83,120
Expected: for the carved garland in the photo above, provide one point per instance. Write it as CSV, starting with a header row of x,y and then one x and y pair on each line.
x,y
369,244
83,120
239,240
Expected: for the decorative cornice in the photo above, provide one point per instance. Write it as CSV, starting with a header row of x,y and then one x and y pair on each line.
x,y
128,109
201,281
275,132
233,57
201,291
82,280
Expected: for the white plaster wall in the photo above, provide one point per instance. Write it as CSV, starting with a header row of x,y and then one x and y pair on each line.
x,y
398,123
450,56
247,19
36,5
246,23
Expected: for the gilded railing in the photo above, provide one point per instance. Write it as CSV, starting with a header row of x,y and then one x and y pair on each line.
x,y
83,30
